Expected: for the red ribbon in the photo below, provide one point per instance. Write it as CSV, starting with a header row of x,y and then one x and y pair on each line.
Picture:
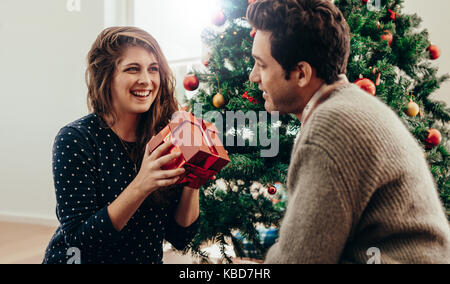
x,y
393,15
249,98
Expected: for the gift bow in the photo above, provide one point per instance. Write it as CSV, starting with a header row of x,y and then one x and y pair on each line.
x,y
249,98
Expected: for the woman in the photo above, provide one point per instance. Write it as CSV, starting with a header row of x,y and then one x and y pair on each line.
x,y
103,170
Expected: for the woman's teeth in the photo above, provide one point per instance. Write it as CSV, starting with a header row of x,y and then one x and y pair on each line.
x,y
141,94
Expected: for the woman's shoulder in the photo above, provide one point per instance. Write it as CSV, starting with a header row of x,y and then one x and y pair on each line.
x,y
87,122
86,128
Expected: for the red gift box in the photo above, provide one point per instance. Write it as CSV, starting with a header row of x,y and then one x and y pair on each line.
x,y
203,154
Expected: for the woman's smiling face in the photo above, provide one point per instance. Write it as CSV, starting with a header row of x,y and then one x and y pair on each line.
x,y
135,82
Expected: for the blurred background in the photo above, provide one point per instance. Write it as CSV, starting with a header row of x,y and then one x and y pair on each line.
x,y
43,48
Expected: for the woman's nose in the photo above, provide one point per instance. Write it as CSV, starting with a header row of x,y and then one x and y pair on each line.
x,y
144,79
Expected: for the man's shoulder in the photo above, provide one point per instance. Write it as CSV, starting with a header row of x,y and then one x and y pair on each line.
x,y
350,108
351,100
351,118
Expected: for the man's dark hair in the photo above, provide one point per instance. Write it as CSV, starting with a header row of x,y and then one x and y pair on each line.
x,y
314,31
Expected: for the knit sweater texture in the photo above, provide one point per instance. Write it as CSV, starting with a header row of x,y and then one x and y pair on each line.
x,y
360,190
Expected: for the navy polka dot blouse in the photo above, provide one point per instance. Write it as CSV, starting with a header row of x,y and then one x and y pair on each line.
x,y
90,169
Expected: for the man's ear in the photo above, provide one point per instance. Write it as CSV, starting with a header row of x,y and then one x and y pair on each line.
x,y
303,72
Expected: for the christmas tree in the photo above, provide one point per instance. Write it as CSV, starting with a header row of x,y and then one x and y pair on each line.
x,y
390,58
388,48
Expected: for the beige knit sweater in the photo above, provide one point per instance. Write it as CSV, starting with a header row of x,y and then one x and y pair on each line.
x,y
360,190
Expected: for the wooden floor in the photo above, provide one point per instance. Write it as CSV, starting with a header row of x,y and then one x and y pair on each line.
x,y
23,243
26,244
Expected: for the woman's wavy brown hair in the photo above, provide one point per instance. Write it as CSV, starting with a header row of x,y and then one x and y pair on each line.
x,y
102,60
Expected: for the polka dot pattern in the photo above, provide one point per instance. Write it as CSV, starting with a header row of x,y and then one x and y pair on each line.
x,y
90,170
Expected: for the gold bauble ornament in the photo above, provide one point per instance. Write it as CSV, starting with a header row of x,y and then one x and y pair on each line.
x,y
412,109
218,100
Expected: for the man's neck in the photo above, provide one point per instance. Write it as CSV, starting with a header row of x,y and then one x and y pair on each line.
x,y
321,90
314,87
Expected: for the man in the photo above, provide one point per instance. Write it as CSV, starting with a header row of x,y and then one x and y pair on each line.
x,y
360,190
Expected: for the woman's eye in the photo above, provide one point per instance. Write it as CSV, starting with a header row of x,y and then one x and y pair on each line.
x,y
133,69
154,69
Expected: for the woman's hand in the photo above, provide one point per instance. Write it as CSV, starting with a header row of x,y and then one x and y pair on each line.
x,y
151,176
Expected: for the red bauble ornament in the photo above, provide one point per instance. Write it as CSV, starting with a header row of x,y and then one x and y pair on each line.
x,y
435,51
367,85
191,82
206,63
272,190
365,1
219,19
434,137
387,36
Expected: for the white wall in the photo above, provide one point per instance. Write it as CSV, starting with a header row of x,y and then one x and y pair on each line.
x,y
178,32
435,16
43,50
